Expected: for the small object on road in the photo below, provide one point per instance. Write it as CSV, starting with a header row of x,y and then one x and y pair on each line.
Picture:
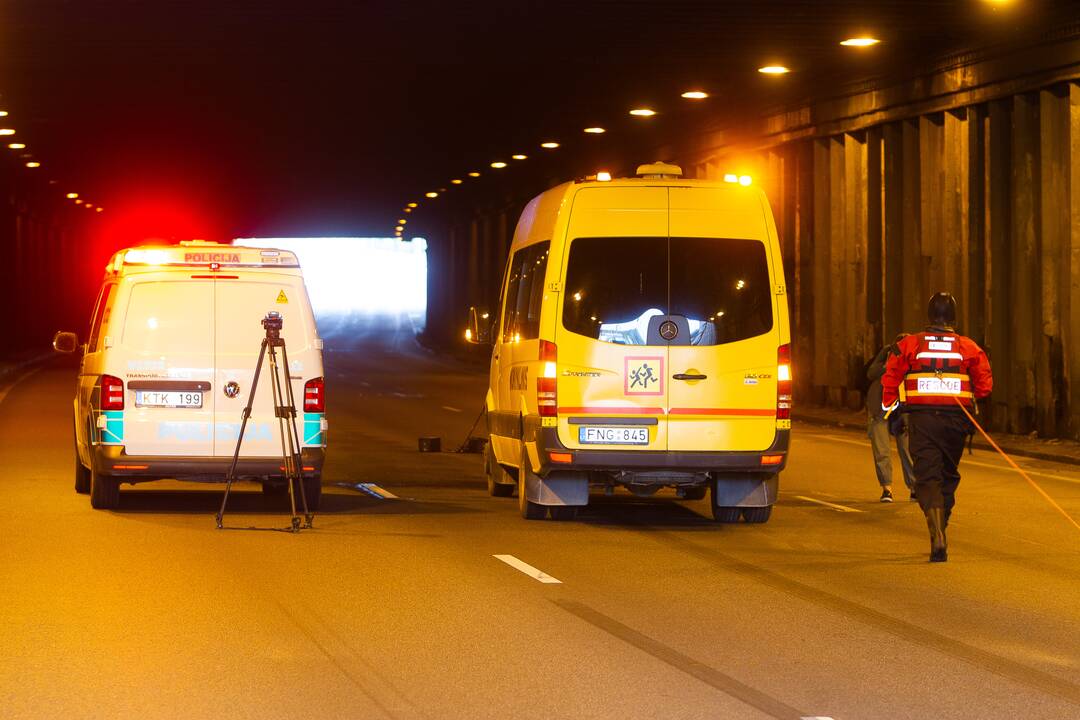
x,y
474,444
430,444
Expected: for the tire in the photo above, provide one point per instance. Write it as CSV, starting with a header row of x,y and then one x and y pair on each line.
x,y
312,493
499,482
529,510
726,514
563,512
82,475
757,515
696,492
104,491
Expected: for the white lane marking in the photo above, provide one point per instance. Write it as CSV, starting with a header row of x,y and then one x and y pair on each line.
x,y
381,492
451,408
965,461
816,717
834,506
528,569
4,392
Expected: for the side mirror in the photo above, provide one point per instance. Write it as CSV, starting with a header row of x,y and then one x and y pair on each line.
x,y
478,331
65,342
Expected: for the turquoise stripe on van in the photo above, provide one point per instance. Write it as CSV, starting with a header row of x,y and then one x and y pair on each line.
x,y
113,432
313,434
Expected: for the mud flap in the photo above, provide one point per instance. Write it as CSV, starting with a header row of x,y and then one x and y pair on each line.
x,y
749,490
558,488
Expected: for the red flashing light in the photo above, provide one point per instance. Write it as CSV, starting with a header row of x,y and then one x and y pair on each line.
x,y
112,393
783,382
315,395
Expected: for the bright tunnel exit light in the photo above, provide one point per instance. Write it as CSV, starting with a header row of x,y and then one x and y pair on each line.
x,y
359,275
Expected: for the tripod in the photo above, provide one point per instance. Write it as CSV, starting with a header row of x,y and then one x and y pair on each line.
x,y
285,411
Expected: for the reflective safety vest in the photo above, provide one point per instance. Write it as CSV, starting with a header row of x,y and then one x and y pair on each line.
x,y
936,378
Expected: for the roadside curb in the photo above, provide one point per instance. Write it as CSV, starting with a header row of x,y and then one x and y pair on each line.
x,y
10,374
979,442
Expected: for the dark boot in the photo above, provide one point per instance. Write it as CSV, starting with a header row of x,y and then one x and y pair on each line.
x,y
935,521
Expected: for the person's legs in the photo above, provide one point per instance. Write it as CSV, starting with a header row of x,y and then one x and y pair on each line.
x,y
954,434
907,467
878,432
927,458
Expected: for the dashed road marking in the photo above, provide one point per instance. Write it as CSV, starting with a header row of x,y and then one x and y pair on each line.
x,y
528,569
834,506
451,408
965,461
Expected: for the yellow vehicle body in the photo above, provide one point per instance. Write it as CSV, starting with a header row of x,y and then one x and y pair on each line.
x,y
642,340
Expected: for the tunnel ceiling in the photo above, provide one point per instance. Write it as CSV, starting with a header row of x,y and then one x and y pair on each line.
x,y
323,117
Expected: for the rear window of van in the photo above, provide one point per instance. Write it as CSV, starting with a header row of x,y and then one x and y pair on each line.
x,y
614,285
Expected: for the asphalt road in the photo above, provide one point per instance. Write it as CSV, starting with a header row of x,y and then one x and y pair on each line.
x,y
398,608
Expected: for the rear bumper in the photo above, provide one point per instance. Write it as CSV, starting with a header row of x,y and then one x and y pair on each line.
x,y
547,441
113,460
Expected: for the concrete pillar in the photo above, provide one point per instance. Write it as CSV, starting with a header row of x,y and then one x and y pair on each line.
x,y
804,352
1071,313
931,215
893,253
875,261
1023,259
820,264
1054,221
998,158
857,334
954,209
975,299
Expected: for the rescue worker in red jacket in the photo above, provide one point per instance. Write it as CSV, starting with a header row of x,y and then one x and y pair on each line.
x,y
934,372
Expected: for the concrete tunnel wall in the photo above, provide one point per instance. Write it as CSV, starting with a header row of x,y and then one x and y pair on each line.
x,y
964,179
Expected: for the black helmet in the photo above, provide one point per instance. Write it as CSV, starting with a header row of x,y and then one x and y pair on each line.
x,y
941,310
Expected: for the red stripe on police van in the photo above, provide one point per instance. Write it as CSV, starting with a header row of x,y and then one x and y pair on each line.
x,y
744,412
622,410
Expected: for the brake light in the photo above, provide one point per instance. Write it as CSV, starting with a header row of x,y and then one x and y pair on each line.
x,y
546,394
783,382
314,395
112,393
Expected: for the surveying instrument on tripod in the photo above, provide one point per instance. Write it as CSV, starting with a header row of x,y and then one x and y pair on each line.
x,y
285,411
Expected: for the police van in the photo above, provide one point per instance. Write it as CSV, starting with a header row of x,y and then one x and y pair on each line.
x,y
167,368
642,341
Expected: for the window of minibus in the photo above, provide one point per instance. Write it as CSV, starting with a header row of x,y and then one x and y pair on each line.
x,y
615,285
101,316
525,293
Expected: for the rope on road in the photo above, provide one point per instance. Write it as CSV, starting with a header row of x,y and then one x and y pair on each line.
x,y
1016,467
464,446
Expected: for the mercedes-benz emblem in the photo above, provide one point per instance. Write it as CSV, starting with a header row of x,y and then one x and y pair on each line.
x,y
668,330
232,389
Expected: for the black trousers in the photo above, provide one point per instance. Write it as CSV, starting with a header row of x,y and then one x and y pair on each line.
x,y
936,441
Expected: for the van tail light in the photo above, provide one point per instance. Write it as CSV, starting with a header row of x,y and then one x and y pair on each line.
x,y
112,393
783,382
546,395
314,395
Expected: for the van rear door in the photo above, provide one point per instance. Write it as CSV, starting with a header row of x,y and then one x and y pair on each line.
x,y
240,306
612,384
723,391
167,343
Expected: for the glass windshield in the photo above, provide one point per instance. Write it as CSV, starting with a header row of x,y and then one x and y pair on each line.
x,y
615,285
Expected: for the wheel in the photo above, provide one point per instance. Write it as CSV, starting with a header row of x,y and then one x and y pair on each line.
x,y
696,492
82,475
312,493
499,482
757,514
563,512
104,491
726,514
529,510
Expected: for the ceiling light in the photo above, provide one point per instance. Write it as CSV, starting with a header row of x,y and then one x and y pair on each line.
x,y
431,194
78,202
695,95
398,229
642,112
88,205
859,42
455,181
401,221
595,130
498,165
474,174
745,180
773,70
731,178
99,209
408,210
412,205
3,113
33,164
603,176
6,131
519,156
17,146
550,145
72,196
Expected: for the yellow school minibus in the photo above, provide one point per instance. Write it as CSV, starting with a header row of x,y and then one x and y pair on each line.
x,y
642,341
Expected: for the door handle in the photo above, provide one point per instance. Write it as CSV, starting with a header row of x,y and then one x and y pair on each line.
x,y
688,376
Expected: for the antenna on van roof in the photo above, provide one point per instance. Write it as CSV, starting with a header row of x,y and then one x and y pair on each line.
x,y
659,171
